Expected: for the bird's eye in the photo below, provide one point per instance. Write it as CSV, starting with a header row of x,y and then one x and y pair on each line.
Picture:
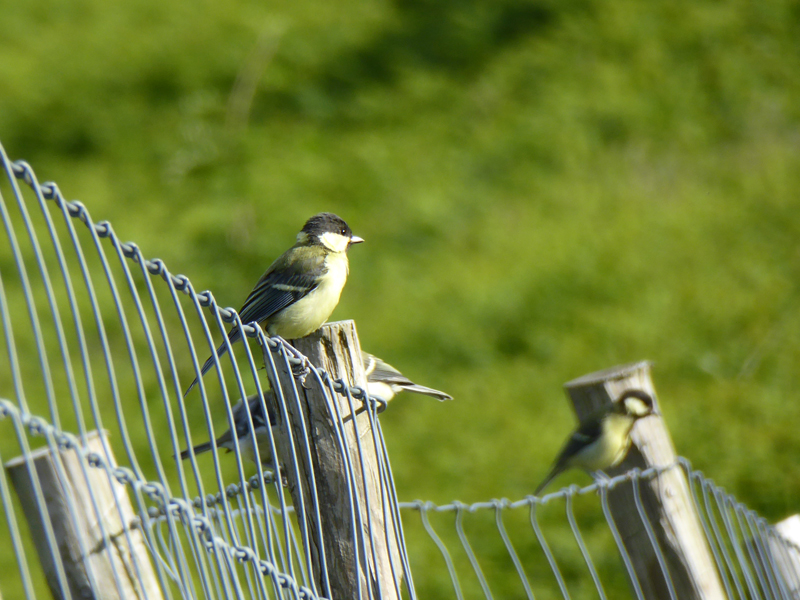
x,y
343,231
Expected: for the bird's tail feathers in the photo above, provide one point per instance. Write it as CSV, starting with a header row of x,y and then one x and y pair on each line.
x,y
233,337
554,472
199,449
421,389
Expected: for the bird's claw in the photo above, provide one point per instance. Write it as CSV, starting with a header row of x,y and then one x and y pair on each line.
x,y
299,371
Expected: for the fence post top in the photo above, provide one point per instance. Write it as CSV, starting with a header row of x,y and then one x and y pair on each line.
x,y
610,374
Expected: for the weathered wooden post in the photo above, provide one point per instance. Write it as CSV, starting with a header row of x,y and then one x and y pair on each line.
x,y
90,561
363,553
666,499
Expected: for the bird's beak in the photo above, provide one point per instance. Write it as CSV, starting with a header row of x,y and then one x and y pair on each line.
x,y
356,240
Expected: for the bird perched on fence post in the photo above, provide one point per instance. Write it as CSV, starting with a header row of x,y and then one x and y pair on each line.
x,y
299,291
384,381
602,440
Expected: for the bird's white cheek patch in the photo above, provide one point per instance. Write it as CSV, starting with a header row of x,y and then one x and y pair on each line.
x,y
334,241
636,407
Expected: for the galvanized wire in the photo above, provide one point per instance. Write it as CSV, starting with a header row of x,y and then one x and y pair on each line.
x,y
211,526
746,547
96,336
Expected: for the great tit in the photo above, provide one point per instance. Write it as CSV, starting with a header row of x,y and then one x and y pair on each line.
x,y
602,440
299,291
384,381
242,427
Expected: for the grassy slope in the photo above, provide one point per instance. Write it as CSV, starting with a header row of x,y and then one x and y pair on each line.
x,y
546,189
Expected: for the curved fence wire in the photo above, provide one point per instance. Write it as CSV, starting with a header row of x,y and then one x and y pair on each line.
x,y
99,390
74,368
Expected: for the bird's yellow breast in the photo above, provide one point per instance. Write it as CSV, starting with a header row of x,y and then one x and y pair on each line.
x,y
611,447
310,312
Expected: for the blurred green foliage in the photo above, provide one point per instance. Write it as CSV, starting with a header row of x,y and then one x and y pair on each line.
x,y
546,189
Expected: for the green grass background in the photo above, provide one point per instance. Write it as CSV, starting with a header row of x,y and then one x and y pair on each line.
x,y
546,189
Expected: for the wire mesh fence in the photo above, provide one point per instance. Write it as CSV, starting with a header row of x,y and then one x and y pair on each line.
x,y
565,557
74,368
100,343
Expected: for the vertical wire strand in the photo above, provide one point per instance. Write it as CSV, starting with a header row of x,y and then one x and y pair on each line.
x,y
292,460
510,548
473,560
27,290
691,478
151,269
752,543
576,533
386,487
719,498
551,560
422,507
354,502
367,509
767,552
41,505
12,520
651,535
711,507
398,519
289,541
623,552
174,285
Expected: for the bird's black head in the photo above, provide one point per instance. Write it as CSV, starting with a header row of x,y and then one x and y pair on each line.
x,y
635,403
329,230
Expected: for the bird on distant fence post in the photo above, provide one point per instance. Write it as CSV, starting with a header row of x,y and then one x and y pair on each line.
x,y
299,291
602,440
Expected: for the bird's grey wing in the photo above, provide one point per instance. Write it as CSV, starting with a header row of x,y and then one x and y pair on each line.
x,y
385,373
286,282
587,432
388,374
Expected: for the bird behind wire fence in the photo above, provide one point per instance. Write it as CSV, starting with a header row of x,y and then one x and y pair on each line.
x,y
100,338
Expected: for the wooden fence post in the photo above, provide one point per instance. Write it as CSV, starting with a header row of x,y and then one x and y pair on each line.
x,y
335,348
666,499
89,561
